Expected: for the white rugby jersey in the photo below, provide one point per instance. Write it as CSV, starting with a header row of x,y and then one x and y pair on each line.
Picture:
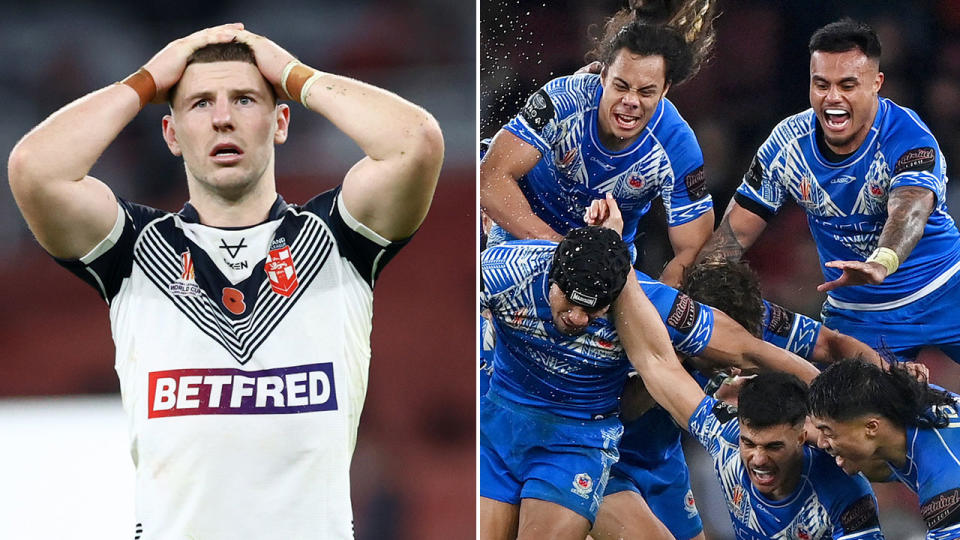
x,y
243,357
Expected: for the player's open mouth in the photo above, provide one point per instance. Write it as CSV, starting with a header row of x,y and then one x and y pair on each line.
x,y
626,122
836,119
764,477
226,154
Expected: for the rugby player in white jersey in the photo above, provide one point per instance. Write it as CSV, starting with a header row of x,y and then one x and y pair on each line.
x,y
243,375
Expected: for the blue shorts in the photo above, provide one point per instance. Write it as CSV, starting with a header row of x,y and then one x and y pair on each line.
x,y
660,476
931,321
526,453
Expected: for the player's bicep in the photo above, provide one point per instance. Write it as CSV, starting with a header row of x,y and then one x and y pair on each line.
x,y
68,218
508,158
391,196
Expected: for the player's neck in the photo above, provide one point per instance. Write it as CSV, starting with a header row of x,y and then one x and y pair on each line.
x,y
892,445
245,209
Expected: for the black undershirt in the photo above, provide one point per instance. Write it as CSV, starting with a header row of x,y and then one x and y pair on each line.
x,y
825,150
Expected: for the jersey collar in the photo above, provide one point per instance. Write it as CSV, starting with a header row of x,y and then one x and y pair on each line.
x,y
189,214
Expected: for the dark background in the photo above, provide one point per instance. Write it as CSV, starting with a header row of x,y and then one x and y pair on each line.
x,y
414,465
759,74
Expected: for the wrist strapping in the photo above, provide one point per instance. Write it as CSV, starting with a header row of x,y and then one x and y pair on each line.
x,y
143,84
297,79
886,257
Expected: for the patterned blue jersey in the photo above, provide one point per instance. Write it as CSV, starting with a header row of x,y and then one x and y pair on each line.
x,y
794,332
535,364
932,471
825,504
846,202
560,120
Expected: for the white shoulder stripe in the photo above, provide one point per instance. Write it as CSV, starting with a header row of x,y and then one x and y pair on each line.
x,y
355,225
108,242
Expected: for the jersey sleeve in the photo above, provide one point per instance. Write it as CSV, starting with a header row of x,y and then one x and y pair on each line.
x,y
538,122
689,323
761,191
919,161
111,261
714,423
856,517
794,332
686,198
366,250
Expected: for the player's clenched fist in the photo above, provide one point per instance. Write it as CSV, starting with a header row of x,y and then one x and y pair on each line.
x,y
167,66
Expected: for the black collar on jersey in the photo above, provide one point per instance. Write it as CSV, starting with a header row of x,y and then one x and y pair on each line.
x,y
825,150
189,214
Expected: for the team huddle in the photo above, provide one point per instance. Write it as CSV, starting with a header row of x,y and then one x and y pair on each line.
x,y
589,366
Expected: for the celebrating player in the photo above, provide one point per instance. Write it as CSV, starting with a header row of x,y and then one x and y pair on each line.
x,y
237,378
872,180
582,136
775,485
886,423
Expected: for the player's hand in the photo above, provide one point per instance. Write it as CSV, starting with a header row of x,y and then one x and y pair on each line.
x,y
271,59
605,213
919,371
167,66
593,67
855,273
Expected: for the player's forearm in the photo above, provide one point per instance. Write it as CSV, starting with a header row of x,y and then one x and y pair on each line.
x,y
505,204
732,346
65,146
384,125
908,209
833,346
737,232
647,344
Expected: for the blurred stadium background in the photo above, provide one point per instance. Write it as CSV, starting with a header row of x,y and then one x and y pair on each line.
x,y
64,456
759,75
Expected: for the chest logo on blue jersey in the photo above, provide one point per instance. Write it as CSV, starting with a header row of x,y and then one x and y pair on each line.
x,y
566,160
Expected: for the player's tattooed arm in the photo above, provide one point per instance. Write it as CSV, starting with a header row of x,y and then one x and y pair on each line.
x,y
738,230
908,209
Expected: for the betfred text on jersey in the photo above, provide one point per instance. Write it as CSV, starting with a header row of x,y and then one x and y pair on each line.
x,y
297,389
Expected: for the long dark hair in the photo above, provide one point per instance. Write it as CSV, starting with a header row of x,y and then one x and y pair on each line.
x,y
852,388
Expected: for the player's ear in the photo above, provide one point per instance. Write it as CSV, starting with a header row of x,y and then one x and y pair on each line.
x,y
665,88
283,123
871,427
878,82
170,135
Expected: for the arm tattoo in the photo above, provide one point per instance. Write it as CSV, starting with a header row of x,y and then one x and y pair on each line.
x,y
724,241
907,211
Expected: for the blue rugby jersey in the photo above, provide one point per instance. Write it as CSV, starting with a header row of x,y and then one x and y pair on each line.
x,y
575,376
794,332
825,504
932,471
846,202
560,120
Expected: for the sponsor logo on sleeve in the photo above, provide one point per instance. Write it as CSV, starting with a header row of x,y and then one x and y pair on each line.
x,y
781,320
696,184
189,392
539,110
918,159
754,176
724,412
582,485
942,510
684,313
860,515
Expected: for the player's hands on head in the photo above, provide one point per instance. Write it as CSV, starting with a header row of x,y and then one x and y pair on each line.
x,y
855,273
605,213
271,58
167,66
